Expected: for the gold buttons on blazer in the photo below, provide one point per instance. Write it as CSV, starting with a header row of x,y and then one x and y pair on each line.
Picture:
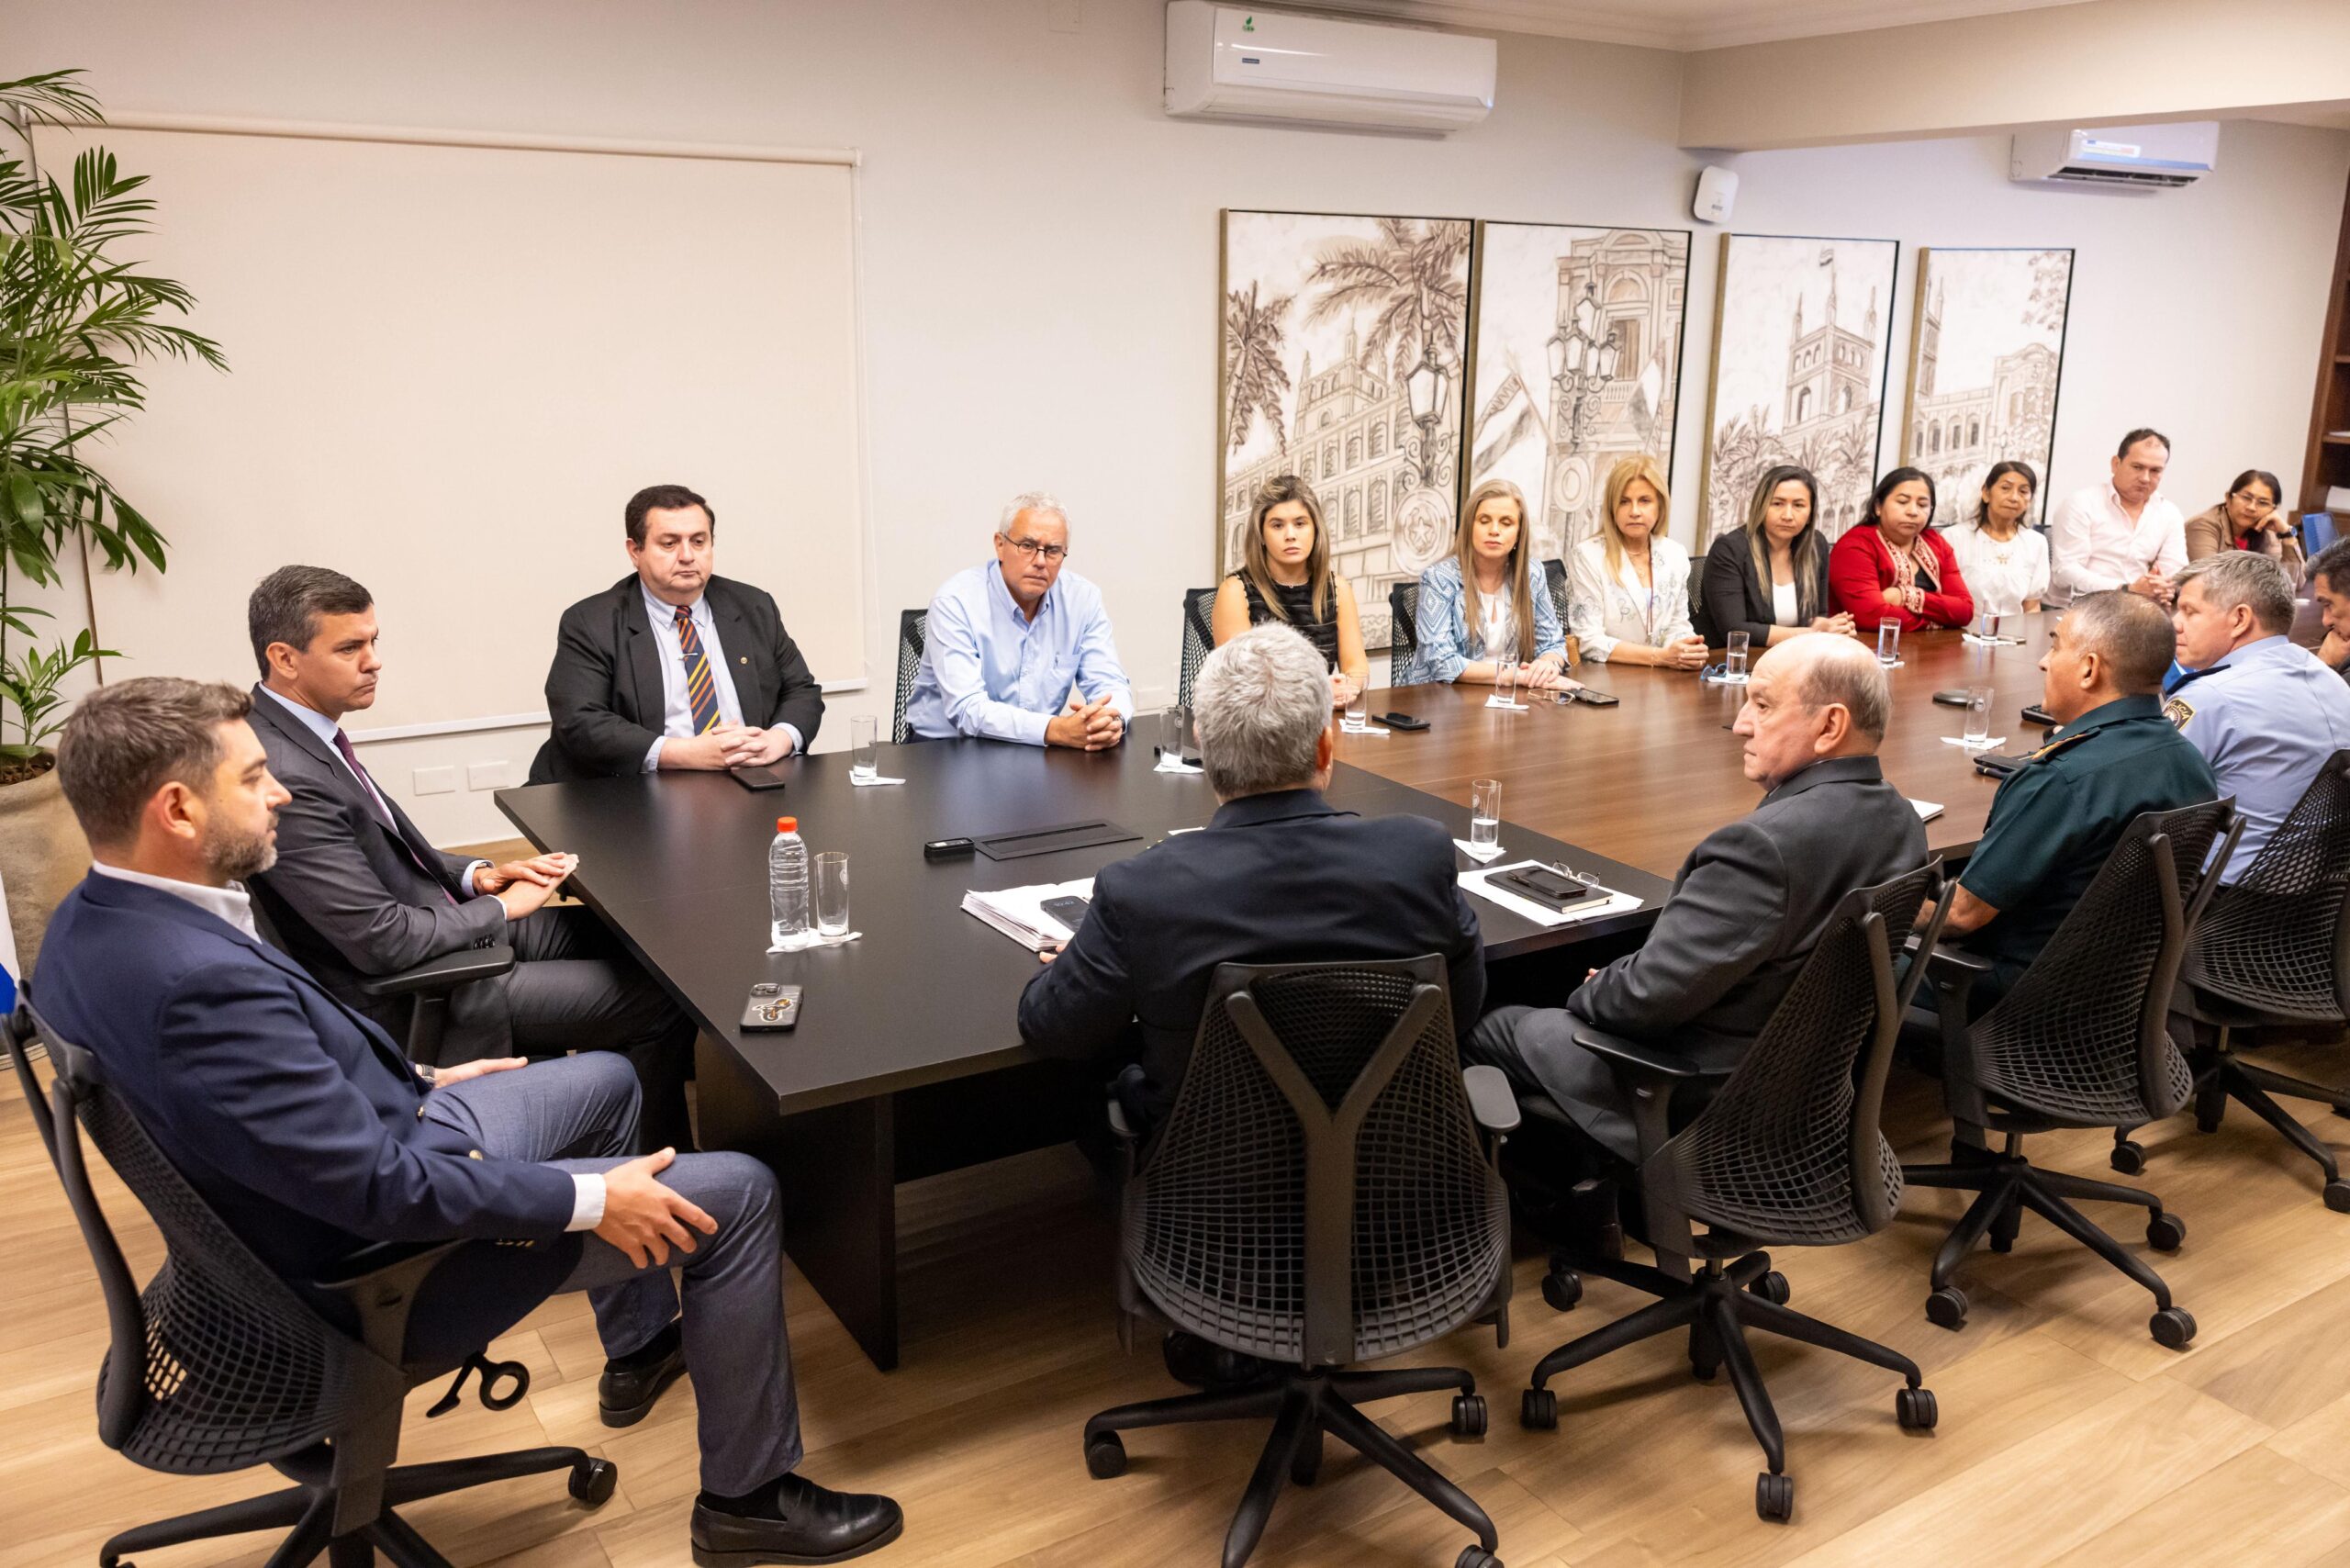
x,y
473,1154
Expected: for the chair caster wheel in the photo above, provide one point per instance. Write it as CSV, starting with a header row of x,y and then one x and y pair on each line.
x,y
1914,1407
2172,1327
1105,1456
1537,1410
2128,1158
1476,1557
1468,1414
2165,1233
591,1483
1946,1308
1306,1467
1562,1288
1772,1286
2337,1197
1774,1497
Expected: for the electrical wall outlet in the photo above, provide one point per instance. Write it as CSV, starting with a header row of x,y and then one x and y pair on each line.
x,y
433,781
487,775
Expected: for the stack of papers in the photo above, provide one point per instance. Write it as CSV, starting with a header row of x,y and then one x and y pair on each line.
x,y
1481,884
1020,915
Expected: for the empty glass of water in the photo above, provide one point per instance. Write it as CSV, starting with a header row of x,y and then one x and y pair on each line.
x,y
1978,717
1506,679
1889,642
864,759
1174,730
832,893
1734,658
1485,813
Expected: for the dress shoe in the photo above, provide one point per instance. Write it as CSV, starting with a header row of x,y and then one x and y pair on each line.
x,y
791,1519
1196,1363
626,1393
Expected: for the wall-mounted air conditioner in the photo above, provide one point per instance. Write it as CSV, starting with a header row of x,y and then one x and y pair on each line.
x,y
1227,62
2150,157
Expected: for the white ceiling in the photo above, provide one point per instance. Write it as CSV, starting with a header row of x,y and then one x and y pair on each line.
x,y
1684,24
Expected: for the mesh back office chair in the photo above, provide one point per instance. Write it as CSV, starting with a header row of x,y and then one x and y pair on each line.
x,y
1554,574
910,626
1787,1154
426,988
1404,619
1320,1194
2273,949
1199,641
2080,1042
219,1365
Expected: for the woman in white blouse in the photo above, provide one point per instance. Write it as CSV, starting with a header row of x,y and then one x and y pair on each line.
x,y
2004,562
1628,589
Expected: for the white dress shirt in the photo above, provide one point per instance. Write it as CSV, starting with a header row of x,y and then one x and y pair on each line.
x,y
676,707
1602,614
2095,544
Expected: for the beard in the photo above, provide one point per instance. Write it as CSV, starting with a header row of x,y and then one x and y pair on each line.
x,y
233,857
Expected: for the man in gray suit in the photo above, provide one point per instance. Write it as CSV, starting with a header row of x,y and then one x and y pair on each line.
x,y
1751,901
358,889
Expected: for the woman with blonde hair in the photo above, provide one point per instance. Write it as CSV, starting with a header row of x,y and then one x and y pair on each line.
x,y
1627,590
1484,604
1286,576
1769,579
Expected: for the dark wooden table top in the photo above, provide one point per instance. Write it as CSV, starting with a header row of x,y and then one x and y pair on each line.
x,y
676,865
1643,782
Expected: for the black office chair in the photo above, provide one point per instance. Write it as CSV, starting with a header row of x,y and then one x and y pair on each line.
x,y
425,988
1787,1154
2080,1042
219,1365
910,626
1320,1194
1404,646
2273,949
1199,641
1554,574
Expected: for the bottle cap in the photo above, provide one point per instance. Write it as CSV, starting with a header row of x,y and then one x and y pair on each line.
x,y
787,824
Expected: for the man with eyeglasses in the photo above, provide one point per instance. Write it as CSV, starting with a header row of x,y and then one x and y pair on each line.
x,y
1020,650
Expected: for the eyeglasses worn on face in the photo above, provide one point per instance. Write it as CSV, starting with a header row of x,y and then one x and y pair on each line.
x,y
1033,548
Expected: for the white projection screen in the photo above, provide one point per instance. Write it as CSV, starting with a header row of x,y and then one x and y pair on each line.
x,y
451,364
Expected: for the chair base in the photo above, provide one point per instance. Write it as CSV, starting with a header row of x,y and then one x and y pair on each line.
x,y
306,1511
1718,1307
2006,1184
1304,1405
2222,1076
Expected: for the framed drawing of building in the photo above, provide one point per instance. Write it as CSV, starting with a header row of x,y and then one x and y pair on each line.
x,y
1800,353
1576,361
1344,351
1985,362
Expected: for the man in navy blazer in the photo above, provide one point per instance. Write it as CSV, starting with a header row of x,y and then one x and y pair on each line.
x,y
300,1121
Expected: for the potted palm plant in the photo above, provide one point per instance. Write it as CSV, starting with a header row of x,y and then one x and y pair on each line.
x,y
76,320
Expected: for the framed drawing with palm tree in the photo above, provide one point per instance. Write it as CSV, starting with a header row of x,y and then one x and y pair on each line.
x,y
1575,363
1984,366
1344,346
1801,344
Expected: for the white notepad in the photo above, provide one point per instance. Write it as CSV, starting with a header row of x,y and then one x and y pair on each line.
x,y
1019,912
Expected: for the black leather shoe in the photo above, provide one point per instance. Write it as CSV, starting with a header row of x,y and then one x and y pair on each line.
x,y
626,1393
796,1521
1194,1363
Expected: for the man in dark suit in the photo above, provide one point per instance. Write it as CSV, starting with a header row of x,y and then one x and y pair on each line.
x,y
674,666
1751,901
357,889
301,1124
1278,876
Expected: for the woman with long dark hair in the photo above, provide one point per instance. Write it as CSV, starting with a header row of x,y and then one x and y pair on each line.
x,y
2249,518
1769,579
2004,562
1286,576
1894,566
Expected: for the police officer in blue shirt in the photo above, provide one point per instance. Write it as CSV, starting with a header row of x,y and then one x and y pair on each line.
x,y
2264,713
2110,758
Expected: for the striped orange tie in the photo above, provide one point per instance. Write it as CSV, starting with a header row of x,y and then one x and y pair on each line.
x,y
701,695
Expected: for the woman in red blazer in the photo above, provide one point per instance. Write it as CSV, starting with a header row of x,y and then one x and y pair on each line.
x,y
1892,567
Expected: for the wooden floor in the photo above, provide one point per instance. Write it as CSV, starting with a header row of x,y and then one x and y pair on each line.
x,y
2068,1438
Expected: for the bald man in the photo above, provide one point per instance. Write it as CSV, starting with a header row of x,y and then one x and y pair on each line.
x,y
1751,901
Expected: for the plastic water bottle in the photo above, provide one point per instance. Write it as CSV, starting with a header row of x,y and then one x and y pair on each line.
x,y
787,885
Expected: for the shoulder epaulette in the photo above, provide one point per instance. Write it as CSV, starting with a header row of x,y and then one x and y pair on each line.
x,y
2052,748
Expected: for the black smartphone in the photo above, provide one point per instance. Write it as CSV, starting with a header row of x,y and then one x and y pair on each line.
x,y
1545,886
1998,764
2036,714
771,1006
1069,910
1954,698
948,848
758,777
1592,698
1402,721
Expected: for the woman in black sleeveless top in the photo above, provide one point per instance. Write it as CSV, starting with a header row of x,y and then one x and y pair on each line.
x,y
1286,576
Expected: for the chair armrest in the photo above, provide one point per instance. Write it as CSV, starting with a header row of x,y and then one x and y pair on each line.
x,y
1490,1099
1120,1128
1639,1057
444,973
395,1263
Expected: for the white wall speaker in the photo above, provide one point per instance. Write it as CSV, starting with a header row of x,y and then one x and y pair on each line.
x,y
1717,194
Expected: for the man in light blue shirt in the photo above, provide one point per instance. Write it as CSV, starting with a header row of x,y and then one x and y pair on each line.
x,y
2264,713
1019,650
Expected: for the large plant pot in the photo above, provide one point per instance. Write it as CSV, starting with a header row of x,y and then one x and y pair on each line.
x,y
42,855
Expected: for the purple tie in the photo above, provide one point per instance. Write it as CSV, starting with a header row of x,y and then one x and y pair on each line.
x,y
383,812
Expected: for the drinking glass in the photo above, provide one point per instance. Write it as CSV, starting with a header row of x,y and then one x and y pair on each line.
x,y
1174,730
832,892
1889,642
864,737
1978,717
1506,679
1485,813
1734,660
1357,708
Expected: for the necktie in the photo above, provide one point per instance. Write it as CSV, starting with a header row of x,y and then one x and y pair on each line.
x,y
383,812
701,693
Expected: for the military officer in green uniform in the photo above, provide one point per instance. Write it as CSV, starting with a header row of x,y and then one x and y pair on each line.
x,y
2111,758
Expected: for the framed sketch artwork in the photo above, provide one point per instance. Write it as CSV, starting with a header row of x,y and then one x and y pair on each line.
x,y
1576,364
1344,344
1801,345
1983,367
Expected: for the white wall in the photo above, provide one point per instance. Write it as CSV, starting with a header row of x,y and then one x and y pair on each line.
x,y
1038,257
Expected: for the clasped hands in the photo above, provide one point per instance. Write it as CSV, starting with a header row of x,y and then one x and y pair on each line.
x,y
727,745
1086,724
524,886
1548,673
